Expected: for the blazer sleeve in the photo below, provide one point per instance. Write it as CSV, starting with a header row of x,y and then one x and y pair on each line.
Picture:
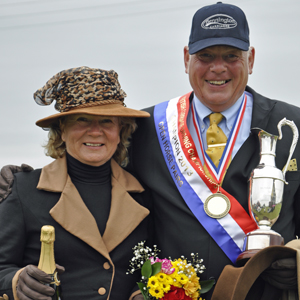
x,y
12,240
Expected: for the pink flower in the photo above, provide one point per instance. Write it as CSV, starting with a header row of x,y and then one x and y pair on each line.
x,y
152,260
166,265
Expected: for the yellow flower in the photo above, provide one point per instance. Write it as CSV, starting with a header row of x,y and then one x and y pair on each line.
x,y
195,296
165,286
192,286
174,264
169,279
176,280
179,264
195,279
153,282
156,292
190,270
161,276
183,279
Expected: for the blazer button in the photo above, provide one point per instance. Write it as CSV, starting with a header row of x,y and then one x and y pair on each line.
x,y
106,266
102,291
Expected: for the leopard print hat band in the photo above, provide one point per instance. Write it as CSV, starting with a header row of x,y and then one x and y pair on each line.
x,y
84,90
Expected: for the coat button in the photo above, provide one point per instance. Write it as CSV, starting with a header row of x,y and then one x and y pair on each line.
x,y
102,291
106,266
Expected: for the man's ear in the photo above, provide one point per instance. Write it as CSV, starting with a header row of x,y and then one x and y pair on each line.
x,y
251,57
186,59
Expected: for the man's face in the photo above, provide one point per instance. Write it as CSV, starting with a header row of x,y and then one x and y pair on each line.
x,y
219,74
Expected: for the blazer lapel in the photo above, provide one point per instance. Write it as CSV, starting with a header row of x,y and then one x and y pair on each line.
x,y
70,211
262,108
125,214
249,151
73,215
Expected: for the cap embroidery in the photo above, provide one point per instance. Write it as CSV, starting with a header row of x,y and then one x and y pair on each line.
x,y
219,21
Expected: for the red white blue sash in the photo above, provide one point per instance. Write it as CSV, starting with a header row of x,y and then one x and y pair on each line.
x,y
195,187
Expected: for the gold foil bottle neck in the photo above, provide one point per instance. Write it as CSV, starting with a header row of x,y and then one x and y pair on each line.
x,y
47,261
47,234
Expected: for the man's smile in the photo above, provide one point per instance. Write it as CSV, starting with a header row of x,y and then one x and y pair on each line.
x,y
217,82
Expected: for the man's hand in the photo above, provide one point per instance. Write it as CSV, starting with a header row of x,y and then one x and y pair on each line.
x,y
282,274
7,178
30,284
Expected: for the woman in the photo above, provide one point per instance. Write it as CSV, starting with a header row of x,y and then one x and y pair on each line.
x,y
96,207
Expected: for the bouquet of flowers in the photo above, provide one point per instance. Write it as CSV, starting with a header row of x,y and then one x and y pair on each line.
x,y
168,279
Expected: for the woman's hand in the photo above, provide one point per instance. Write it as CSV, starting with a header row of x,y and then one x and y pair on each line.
x,y
32,284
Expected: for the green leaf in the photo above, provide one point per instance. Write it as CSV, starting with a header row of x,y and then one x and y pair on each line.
x,y
206,285
144,291
156,268
146,269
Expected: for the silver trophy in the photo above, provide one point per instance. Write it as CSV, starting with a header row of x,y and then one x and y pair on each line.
x,y
266,185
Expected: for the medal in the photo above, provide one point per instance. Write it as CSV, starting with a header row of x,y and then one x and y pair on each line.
x,y
217,205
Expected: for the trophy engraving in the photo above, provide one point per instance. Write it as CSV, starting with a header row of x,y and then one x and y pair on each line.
x,y
266,185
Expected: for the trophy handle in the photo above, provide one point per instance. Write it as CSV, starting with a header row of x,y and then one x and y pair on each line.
x,y
294,128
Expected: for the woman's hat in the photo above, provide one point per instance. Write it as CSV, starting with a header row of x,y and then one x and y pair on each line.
x,y
84,90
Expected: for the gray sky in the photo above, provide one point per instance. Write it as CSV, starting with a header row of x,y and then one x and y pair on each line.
x,y
142,40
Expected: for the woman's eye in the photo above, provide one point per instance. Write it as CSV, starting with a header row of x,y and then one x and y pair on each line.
x,y
106,121
82,119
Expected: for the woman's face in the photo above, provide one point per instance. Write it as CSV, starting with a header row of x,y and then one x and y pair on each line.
x,y
91,139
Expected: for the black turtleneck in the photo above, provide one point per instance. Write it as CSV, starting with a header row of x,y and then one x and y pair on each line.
x,y
94,187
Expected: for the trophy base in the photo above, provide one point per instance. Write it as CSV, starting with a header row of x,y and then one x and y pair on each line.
x,y
257,240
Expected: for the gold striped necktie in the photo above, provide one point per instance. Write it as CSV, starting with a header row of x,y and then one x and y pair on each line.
x,y
216,138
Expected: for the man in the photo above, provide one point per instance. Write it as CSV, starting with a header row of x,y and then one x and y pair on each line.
x,y
168,149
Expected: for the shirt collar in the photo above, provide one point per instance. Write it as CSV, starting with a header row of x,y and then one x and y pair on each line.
x,y
229,114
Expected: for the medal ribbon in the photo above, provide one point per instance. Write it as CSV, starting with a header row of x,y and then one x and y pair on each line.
x,y
193,184
218,173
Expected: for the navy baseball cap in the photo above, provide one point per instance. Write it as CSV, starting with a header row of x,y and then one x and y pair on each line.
x,y
219,24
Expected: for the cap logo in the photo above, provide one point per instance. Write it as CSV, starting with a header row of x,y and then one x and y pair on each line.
x,y
219,21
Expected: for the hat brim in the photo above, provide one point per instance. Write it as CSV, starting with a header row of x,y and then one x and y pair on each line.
x,y
235,283
115,110
224,41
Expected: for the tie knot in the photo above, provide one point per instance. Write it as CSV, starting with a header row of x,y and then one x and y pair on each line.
x,y
215,118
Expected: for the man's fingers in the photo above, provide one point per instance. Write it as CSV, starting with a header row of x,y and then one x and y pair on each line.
x,y
26,168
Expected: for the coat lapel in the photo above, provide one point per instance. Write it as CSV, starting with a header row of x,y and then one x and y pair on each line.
x,y
262,108
125,214
73,215
248,154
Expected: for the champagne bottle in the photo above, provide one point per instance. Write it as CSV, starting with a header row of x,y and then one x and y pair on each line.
x,y
47,261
